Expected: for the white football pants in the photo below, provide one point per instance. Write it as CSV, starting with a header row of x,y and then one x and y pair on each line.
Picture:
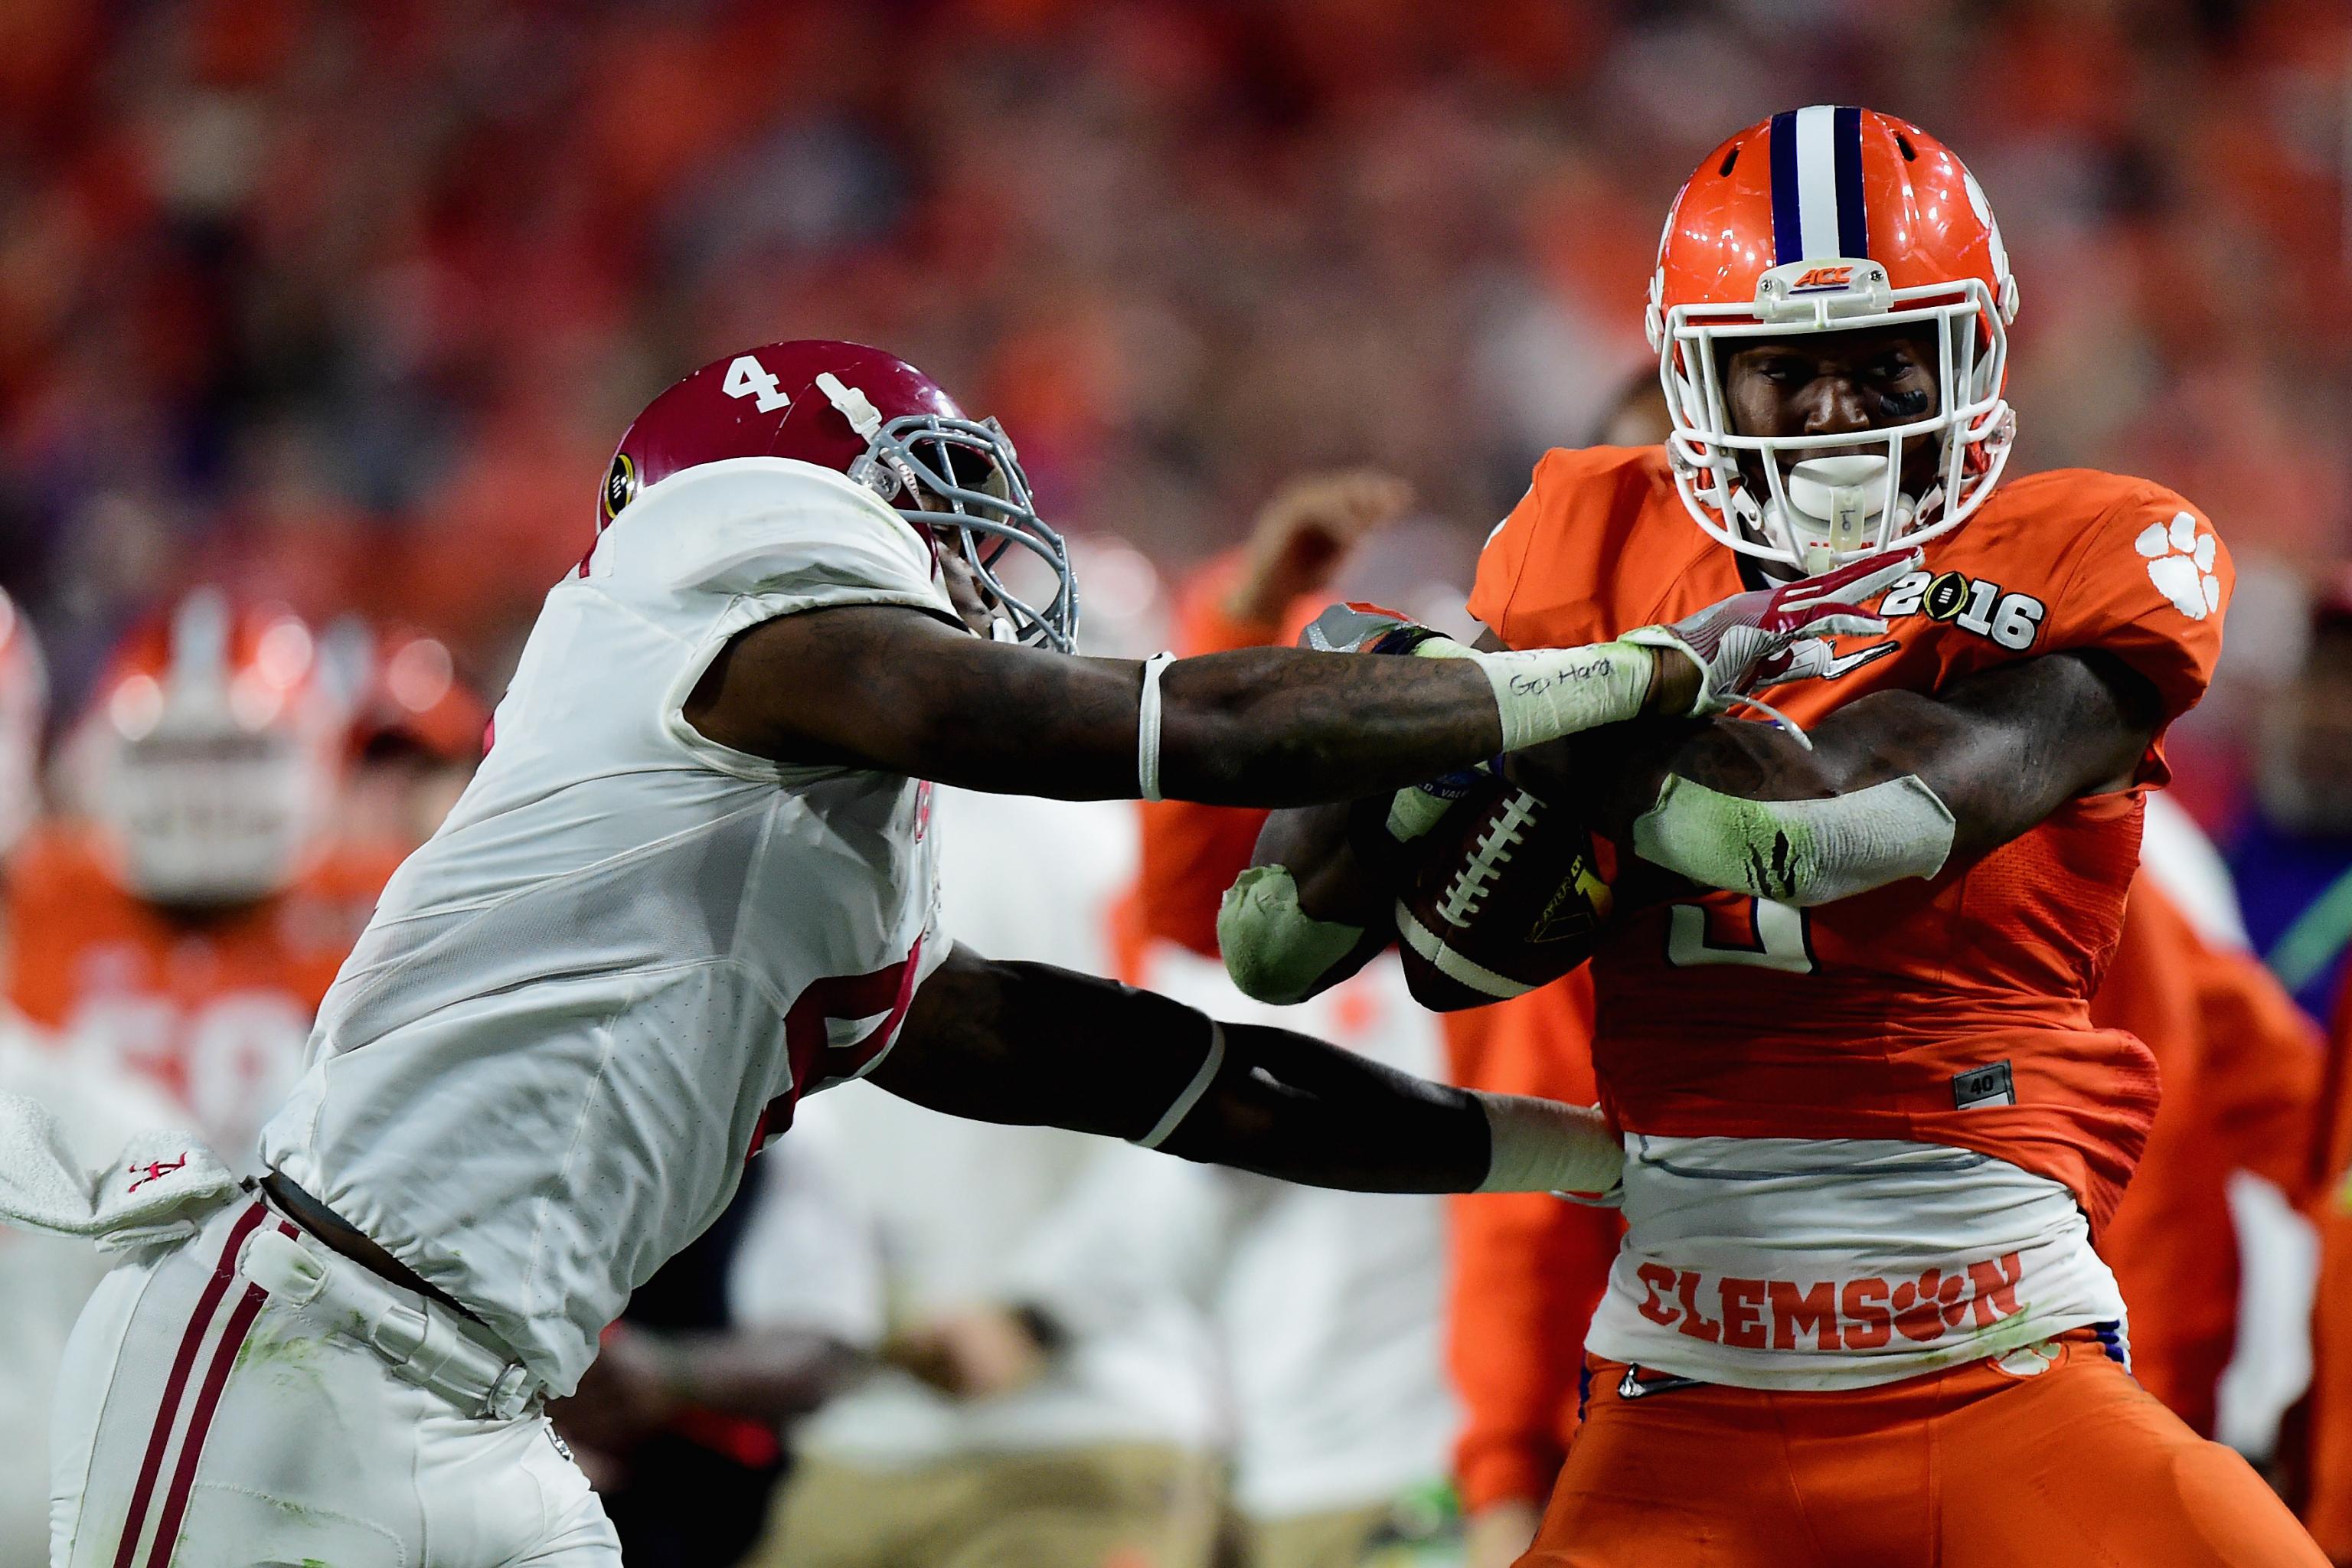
x,y
202,1422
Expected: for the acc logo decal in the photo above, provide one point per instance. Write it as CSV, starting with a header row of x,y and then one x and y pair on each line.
x,y
1974,605
620,485
1825,278
2180,563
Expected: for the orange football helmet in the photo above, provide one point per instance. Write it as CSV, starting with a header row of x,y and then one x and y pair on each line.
x,y
413,702
1828,220
210,758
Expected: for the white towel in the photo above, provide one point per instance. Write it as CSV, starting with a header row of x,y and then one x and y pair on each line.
x,y
158,1189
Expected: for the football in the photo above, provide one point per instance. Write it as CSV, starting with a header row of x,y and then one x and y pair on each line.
x,y
1504,892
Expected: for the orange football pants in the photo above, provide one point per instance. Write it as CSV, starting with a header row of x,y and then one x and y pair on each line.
x,y
2074,1465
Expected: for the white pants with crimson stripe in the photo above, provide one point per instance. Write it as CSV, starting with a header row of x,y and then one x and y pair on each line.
x,y
201,1424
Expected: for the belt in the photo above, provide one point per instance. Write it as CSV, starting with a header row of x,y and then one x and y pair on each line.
x,y
424,1341
343,1236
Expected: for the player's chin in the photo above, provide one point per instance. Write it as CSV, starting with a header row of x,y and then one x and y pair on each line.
x,y
964,594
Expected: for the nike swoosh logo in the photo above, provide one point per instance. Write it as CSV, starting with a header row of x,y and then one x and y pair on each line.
x,y
1845,663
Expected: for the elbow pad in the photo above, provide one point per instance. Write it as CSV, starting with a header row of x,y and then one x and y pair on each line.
x,y
1273,949
1797,851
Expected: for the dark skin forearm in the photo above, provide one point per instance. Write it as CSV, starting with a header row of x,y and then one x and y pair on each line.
x,y
2001,749
897,690
901,691
1031,1045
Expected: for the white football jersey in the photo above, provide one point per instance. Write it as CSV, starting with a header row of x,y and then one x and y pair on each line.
x,y
628,950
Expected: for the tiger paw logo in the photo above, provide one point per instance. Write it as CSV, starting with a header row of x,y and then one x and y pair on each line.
x,y
1923,1311
2180,563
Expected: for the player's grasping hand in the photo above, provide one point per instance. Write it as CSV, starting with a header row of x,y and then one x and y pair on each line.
x,y
1303,532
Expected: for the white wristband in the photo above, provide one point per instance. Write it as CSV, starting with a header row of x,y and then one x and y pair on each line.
x,y
1181,1107
1547,1146
1543,693
1146,728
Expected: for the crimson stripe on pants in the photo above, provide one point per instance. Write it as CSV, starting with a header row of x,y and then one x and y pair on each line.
x,y
191,1447
177,1383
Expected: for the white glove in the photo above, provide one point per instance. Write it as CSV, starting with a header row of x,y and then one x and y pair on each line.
x,y
1772,635
157,1189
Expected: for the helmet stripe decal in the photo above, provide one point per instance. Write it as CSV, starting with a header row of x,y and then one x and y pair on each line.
x,y
1853,219
1817,184
1788,233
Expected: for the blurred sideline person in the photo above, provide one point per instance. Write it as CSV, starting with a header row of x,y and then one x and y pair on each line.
x,y
186,924
2241,1069
2292,856
678,1402
1041,1394
1526,1273
44,1279
416,737
1326,1309
2324,1476
1328,1304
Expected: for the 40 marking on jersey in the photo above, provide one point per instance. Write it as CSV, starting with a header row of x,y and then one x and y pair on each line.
x,y
1975,605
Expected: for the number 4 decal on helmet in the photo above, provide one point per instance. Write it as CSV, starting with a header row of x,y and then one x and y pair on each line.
x,y
747,377
1778,936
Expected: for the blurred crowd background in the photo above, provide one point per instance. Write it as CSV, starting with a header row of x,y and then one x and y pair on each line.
x,y
339,308
341,302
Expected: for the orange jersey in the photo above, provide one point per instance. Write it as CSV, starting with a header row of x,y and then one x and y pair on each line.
x,y
213,1011
1953,1010
2242,1070
2327,1505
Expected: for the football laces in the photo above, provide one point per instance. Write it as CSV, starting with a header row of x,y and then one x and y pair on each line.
x,y
1470,885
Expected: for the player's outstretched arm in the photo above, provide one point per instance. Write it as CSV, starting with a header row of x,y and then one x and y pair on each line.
x,y
901,691
1895,784
1030,1044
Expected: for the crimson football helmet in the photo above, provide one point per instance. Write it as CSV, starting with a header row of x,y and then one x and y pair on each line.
x,y
212,752
873,416
1828,220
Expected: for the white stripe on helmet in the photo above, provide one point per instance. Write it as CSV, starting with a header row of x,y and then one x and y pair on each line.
x,y
1817,198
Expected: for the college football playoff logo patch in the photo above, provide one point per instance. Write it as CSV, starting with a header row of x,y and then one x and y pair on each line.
x,y
620,485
